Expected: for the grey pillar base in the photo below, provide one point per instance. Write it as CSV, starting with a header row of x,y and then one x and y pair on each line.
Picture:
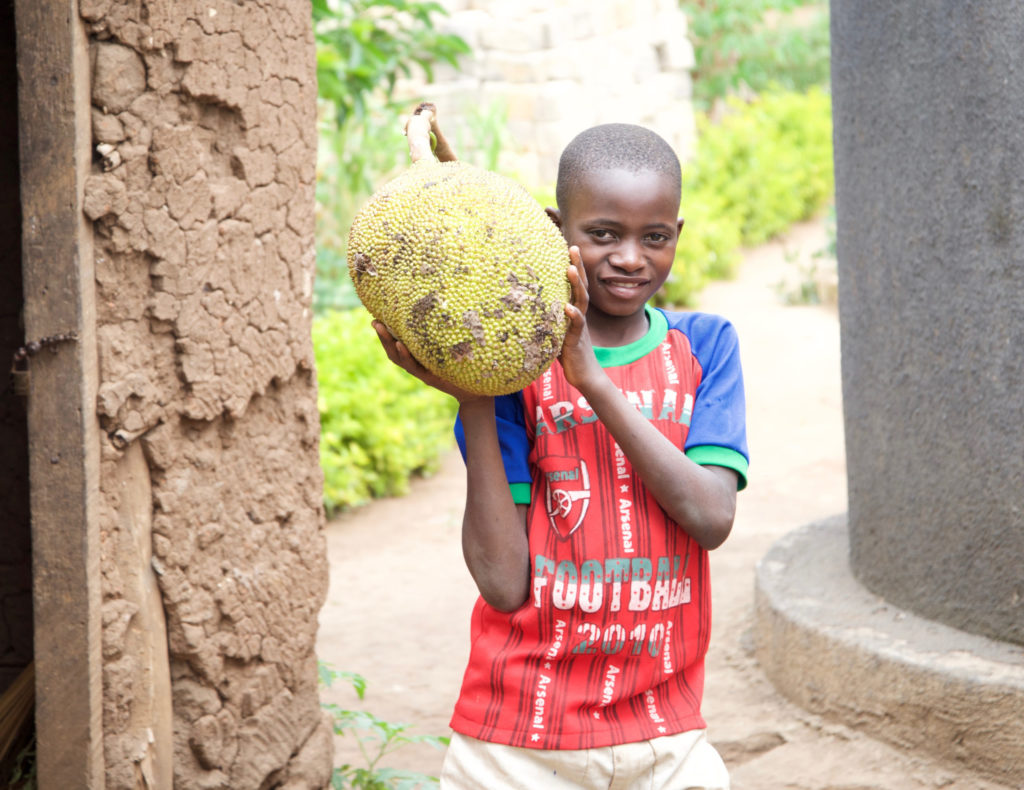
x,y
842,652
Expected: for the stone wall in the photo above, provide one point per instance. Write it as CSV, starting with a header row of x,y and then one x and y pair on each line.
x,y
213,555
560,66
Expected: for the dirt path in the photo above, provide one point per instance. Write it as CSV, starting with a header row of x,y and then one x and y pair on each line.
x,y
400,596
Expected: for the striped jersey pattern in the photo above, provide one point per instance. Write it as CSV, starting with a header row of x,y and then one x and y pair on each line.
x,y
609,647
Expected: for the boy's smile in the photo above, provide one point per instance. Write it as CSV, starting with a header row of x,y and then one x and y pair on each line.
x,y
626,227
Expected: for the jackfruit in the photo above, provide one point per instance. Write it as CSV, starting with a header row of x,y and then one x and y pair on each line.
x,y
467,270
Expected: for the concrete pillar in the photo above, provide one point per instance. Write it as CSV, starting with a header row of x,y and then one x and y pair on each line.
x,y
905,618
928,108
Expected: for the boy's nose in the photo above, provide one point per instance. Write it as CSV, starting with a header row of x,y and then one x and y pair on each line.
x,y
628,256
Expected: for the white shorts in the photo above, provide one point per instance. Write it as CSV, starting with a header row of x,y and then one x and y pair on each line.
x,y
673,762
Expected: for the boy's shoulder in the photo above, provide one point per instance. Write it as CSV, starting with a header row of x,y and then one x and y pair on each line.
x,y
705,335
705,330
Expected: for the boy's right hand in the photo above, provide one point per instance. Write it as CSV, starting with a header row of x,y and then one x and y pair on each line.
x,y
579,363
398,353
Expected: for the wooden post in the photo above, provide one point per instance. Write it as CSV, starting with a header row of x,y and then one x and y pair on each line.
x,y
55,139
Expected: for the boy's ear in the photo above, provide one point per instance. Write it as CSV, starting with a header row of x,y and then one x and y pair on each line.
x,y
556,216
679,225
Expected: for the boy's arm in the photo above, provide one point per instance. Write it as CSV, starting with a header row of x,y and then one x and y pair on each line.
x,y
701,499
494,541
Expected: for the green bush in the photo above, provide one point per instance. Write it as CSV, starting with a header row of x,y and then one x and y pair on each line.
x,y
379,425
362,48
771,161
750,46
763,166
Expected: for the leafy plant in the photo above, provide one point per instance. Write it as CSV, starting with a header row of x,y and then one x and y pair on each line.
x,y
749,46
816,279
484,135
376,739
770,160
829,250
805,289
379,425
763,166
332,288
363,47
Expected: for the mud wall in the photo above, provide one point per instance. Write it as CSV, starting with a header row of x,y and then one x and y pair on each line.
x,y
213,556
560,66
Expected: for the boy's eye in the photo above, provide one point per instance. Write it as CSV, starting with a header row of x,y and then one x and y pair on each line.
x,y
657,238
601,233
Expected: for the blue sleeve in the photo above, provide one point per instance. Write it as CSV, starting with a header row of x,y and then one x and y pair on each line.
x,y
515,445
718,427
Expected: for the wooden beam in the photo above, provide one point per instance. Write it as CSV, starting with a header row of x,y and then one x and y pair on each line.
x,y
55,140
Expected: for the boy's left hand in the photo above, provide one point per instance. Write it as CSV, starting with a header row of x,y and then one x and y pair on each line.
x,y
577,355
399,353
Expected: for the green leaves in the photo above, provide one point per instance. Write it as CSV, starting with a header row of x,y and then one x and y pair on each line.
x,y
376,739
363,47
326,675
749,46
764,165
379,425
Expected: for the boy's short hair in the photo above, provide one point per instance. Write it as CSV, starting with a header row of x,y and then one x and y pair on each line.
x,y
614,146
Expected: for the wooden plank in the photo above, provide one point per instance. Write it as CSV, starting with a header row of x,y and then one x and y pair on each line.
x,y
55,137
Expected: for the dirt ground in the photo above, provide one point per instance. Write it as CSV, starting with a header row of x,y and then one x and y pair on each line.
x,y
400,596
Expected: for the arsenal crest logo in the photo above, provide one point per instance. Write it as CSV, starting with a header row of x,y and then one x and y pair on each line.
x,y
568,493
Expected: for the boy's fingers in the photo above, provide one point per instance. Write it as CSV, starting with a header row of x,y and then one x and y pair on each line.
x,y
405,357
578,279
400,355
576,324
386,340
576,259
578,284
396,350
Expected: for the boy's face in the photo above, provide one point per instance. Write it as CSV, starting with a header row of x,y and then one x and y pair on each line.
x,y
626,227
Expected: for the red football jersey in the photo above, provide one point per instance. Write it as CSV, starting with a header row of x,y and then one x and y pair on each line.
x,y
610,646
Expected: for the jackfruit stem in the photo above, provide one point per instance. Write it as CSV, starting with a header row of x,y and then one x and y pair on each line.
x,y
425,137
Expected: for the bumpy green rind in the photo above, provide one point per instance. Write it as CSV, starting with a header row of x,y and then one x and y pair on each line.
x,y
466,269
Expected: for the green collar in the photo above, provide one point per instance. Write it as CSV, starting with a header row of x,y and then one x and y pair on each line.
x,y
631,352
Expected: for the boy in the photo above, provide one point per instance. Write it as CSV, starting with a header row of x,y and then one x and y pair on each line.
x,y
593,497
